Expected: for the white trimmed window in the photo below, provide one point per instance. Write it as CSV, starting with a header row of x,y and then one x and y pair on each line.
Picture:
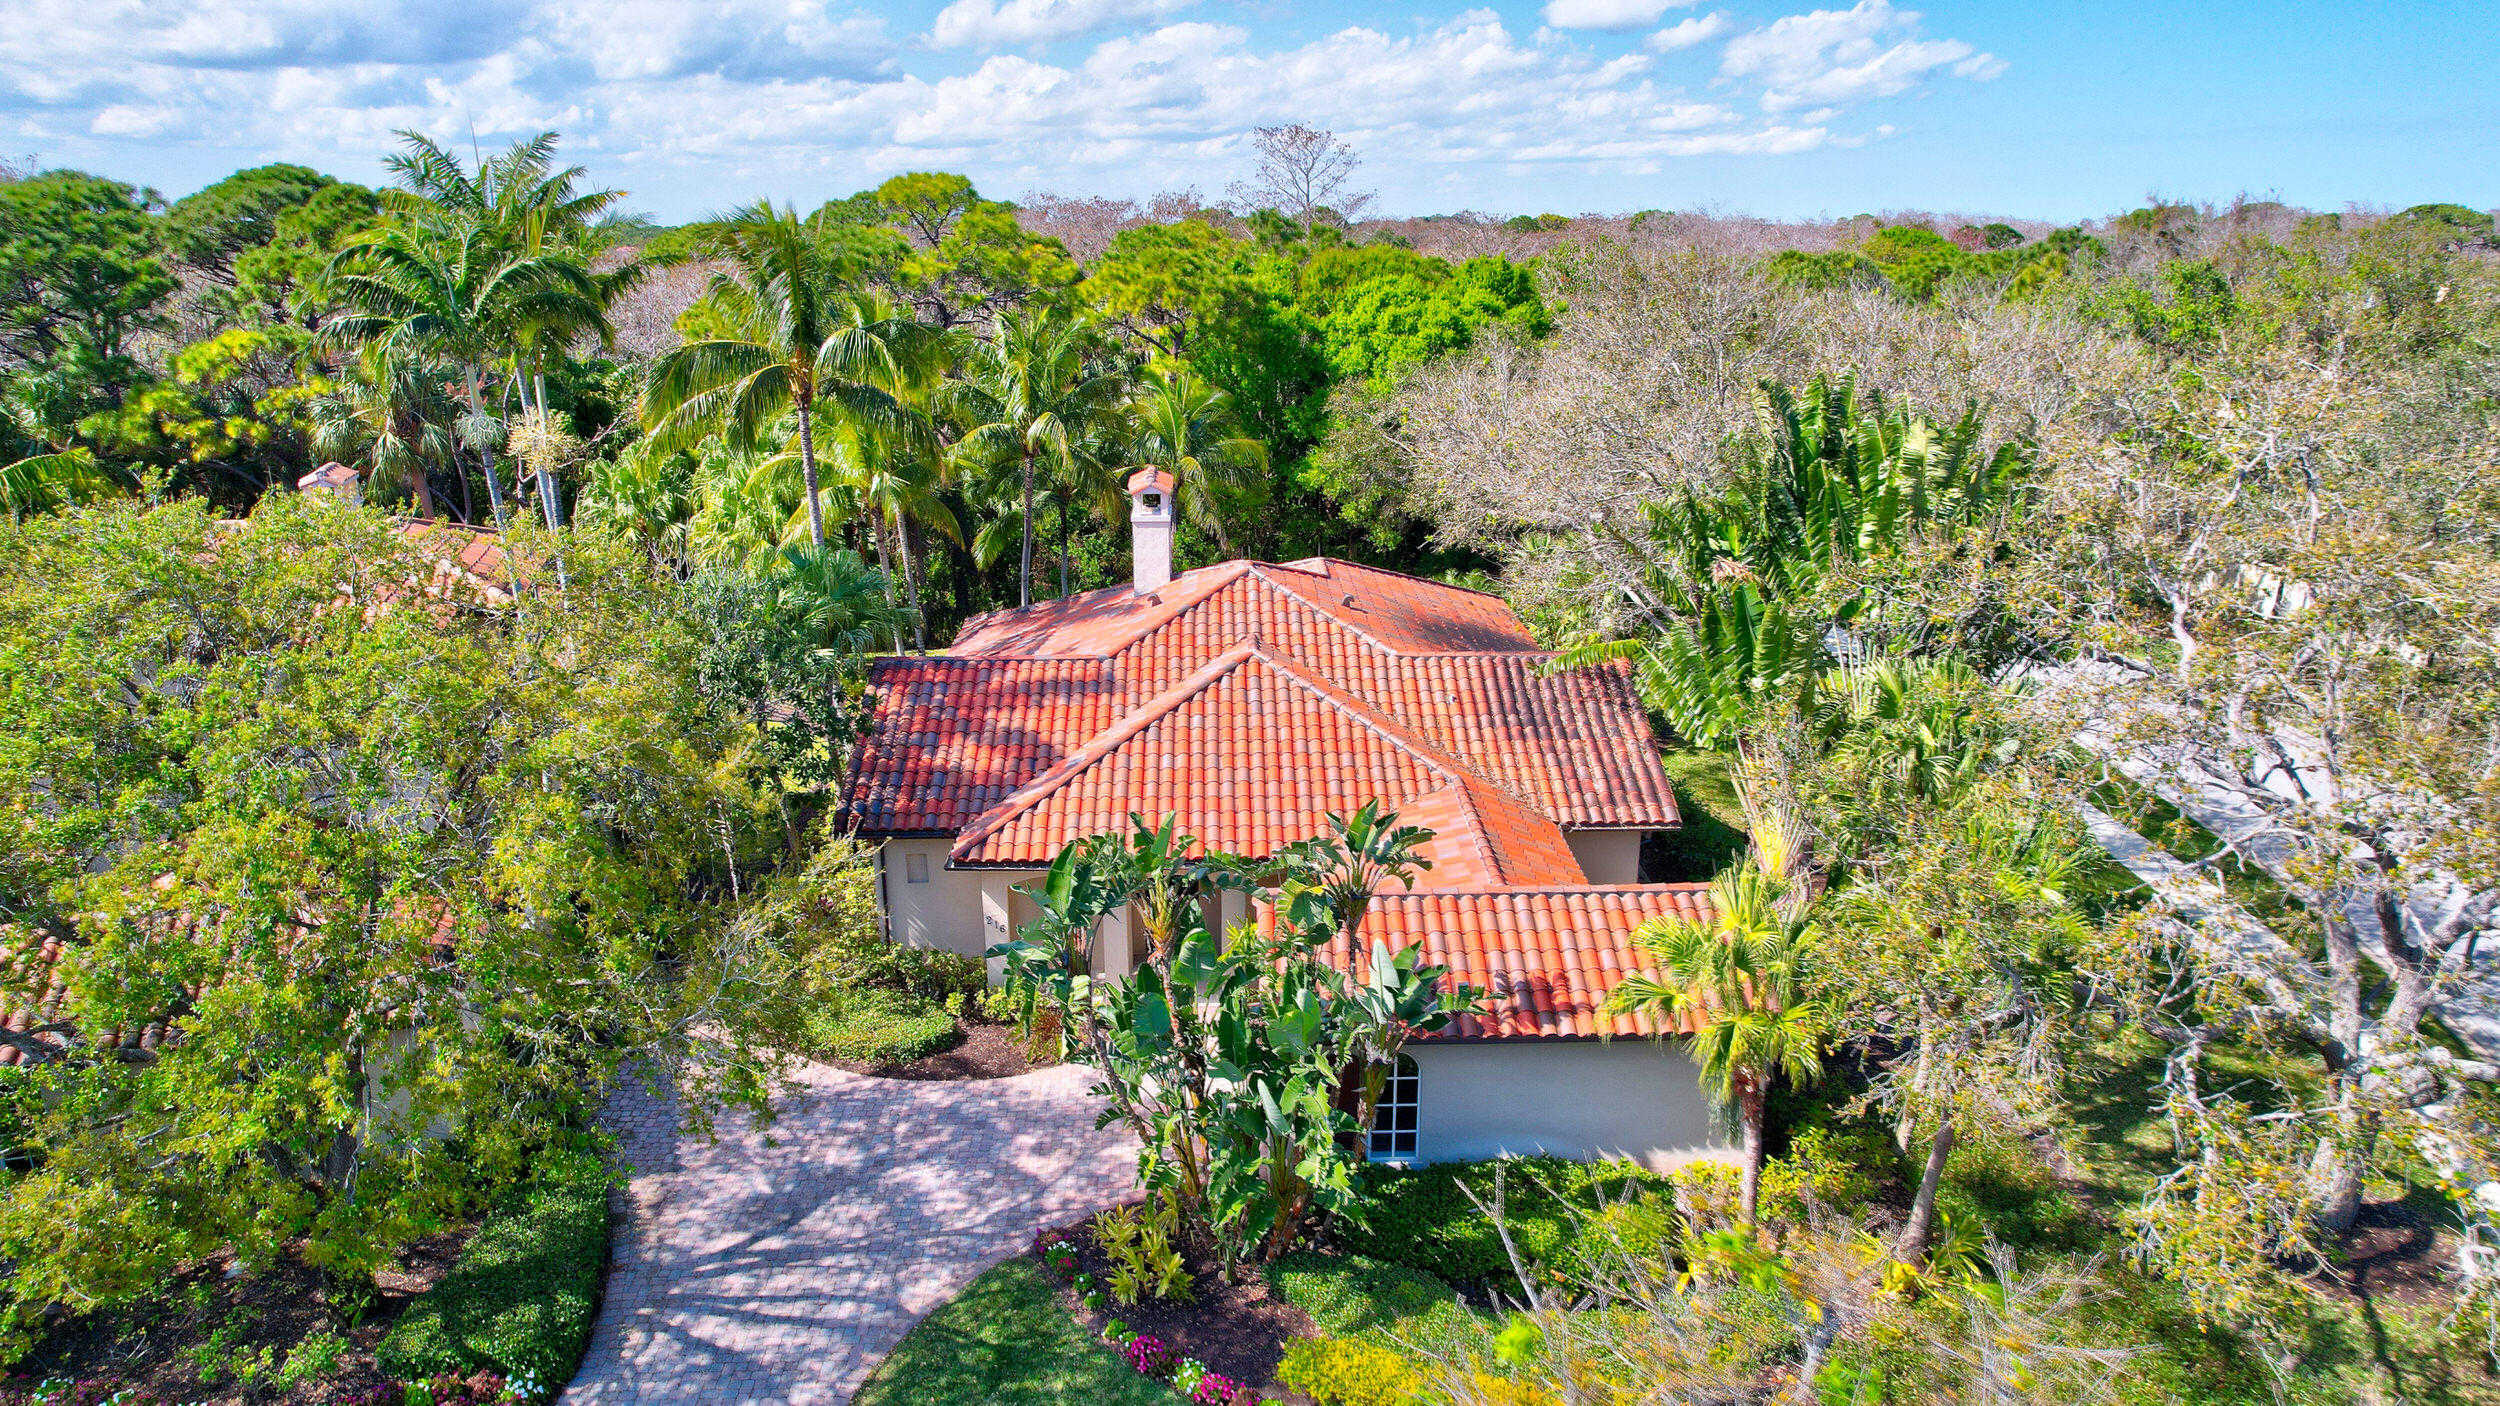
x,y
1393,1122
915,868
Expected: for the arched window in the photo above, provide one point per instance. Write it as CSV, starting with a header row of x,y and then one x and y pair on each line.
x,y
1393,1122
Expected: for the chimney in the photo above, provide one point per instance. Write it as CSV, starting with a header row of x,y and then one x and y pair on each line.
x,y
334,478
1150,528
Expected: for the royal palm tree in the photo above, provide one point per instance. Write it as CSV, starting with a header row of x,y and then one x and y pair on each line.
x,y
795,341
519,202
434,290
1188,427
1033,397
1736,980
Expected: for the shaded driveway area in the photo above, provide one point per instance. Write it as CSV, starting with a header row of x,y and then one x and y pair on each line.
x,y
781,1265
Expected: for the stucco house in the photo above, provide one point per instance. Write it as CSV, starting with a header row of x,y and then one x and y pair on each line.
x,y
1251,699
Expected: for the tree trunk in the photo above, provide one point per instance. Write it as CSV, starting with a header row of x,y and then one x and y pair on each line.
x,y
911,584
1751,1113
494,486
547,491
1922,1222
1063,548
1024,577
2335,1176
807,469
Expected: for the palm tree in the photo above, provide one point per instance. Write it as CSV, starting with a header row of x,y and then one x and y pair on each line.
x,y
391,414
432,290
43,483
891,480
519,203
508,191
797,341
1186,426
1033,394
1736,979
835,600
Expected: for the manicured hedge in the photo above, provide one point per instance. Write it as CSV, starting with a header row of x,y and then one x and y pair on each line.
x,y
522,1294
1418,1216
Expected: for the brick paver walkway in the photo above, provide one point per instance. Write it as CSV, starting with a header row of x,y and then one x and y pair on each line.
x,y
781,1265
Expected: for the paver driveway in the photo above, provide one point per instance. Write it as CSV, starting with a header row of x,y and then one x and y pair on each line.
x,y
780,1266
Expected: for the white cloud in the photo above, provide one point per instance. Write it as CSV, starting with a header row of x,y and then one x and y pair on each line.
x,y
1607,14
808,98
1869,50
990,24
1685,34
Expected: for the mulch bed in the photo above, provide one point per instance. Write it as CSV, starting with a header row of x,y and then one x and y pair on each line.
x,y
985,1052
1239,1329
157,1345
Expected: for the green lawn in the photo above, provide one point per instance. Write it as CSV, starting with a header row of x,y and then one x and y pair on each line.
x,y
1006,1340
1713,835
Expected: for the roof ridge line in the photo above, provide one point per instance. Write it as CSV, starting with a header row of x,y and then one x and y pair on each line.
x,y
1462,774
1260,570
1101,745
1393,571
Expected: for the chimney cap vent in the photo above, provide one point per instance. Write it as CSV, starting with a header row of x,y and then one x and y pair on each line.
x,y
332,476
1149,480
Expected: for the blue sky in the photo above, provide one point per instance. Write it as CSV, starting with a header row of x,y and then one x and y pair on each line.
x,y
2053,110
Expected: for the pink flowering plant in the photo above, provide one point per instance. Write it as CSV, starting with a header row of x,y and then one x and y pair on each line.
x,y
1151,1356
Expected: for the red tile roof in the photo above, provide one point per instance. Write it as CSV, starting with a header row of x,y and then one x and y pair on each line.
x,y
1208,750
33,991
1545,957
1453,668
1252,700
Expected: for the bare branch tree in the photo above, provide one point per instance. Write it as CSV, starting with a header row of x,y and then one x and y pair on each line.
x,y
1302,172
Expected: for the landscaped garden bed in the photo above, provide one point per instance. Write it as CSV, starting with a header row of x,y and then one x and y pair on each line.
x,y
971,1046
495,1311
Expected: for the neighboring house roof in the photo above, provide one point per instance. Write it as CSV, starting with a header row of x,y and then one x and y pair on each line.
x,y
1543,957
1252,700
467,557
32,993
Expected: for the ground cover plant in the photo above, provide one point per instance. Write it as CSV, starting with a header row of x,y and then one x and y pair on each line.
x,y
520,1298
1007,1339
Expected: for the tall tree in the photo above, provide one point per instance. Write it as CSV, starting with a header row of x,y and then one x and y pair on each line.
x,y
80,277
789,340
403,904
1032,396
450,291
1302,172
1187,426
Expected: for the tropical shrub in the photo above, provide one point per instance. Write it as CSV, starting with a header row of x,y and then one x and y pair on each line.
x,y
1422,1218
521,1296
1349,1372
1234,1062
875,1026
1138,1243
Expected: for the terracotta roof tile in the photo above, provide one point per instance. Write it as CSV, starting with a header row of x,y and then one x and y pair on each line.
x,y
33,988
1576,745
1545,957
